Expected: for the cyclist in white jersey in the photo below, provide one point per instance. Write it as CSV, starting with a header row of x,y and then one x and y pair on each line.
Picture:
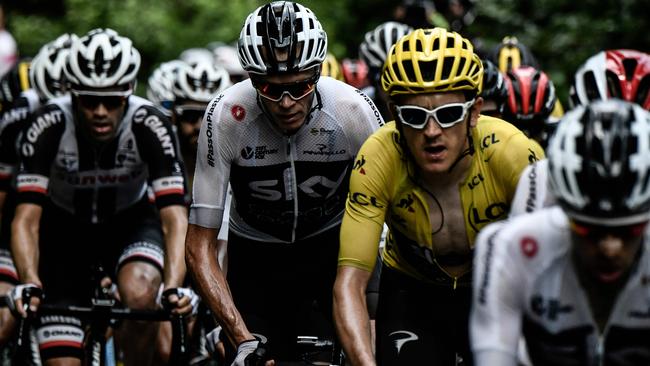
x,y
286,140
573,279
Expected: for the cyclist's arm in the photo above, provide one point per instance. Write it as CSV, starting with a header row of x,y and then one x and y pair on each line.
x,y
499,285
201,245
351,314
157,146
174,226
24,242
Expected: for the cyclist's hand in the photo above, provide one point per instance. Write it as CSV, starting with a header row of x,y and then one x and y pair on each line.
x,y
251,353
180,301
18,296
212,340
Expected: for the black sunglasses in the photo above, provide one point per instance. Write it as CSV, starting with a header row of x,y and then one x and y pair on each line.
x,y
296,90
109,101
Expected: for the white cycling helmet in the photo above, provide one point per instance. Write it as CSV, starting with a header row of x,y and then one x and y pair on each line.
x,y
281,37
377,42
47,70
195,55
102,59
161,83
226,57
200,82
599,163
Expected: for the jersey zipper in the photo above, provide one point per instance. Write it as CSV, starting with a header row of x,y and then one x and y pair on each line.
x,y
95,218
294,189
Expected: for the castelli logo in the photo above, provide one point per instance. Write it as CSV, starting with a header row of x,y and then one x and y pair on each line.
x,y
529,246
238,112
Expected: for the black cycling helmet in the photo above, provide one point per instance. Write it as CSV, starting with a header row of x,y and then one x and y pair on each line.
x,y
599,163
15,81
494,85
281,37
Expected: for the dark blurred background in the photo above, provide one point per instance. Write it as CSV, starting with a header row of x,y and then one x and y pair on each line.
x,y
561,33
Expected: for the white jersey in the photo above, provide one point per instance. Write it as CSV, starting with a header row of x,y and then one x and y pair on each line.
x,y
533,190
525,284
285,188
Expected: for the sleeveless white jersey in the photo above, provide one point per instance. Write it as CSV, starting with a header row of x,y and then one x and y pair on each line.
x,y
525,284
533,190
285,188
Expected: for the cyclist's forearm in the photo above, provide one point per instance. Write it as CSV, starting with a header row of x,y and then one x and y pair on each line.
x,y
211,284
24,242
174,224
351,316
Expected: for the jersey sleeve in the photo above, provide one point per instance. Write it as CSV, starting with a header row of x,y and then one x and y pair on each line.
x,y
366,204
212,170
532,190
38,149
8,155
159,150
518,152
498,291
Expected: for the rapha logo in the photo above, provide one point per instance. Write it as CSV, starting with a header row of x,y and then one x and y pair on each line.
x,y
401,337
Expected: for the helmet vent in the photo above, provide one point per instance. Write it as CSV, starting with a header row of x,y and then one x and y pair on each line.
x,y
629,64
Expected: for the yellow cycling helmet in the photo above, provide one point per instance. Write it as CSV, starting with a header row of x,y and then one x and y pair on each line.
x,y
431,61
330,67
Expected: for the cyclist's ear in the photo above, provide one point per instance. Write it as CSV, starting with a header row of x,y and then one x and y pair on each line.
x,y
475,111
393,111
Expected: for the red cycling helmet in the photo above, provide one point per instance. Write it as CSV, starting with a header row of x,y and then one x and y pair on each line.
x,y
531,98
623,74
355,72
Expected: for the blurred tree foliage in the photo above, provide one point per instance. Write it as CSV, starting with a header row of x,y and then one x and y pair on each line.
x,y
561,33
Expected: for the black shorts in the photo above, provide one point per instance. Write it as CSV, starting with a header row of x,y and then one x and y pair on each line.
x,y
69,251
419,323
283,290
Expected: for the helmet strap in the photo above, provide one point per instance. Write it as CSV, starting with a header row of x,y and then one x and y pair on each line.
x,y
470,149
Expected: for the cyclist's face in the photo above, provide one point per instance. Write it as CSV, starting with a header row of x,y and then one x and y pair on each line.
x,y
607,254
434,148
101,115
187,117
289,114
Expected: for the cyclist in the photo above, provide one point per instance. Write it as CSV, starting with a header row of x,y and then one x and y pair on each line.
x,y
494,90
531,99
160,85
511,54
193,86
571,279
87,159
436,176
25,88
286,140
623,74
373,50
603,76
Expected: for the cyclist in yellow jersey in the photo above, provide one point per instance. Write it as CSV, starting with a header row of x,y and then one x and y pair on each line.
x,y
436,176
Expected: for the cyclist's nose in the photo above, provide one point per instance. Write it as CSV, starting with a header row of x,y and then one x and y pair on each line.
x,y
100,110
286,101
432,128
610,246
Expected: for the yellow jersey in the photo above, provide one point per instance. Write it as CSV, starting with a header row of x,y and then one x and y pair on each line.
x,y
382,190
